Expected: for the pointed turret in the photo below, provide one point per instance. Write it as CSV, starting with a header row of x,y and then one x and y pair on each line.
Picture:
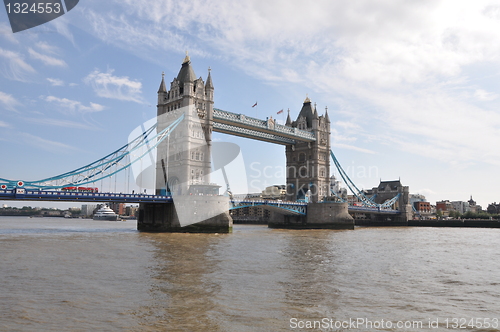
x,y
209,84
163,87
327,118
288,120
162,92
209,87
315,119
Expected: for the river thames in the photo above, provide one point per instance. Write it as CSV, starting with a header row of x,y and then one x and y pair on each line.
x,y
84,275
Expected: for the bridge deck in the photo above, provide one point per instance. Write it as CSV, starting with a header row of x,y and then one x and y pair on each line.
x,y
51,195
268,131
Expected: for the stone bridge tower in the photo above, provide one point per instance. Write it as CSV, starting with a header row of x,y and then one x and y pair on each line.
x,y
308,164
183,160
387,190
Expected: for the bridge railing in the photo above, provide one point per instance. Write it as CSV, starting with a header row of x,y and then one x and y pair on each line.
x,y
293,207
51,195
372,209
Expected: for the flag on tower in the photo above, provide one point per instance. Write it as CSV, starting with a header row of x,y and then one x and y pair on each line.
x,y
280,112
254,104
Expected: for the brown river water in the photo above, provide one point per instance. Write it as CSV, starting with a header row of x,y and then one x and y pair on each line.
x,y
84,275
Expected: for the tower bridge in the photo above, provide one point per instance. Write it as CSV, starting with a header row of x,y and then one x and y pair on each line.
x,y
186,200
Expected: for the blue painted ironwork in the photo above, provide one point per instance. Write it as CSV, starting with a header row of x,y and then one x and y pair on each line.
x,y
265,130
106,167
376,210
54,195
250,133
297,208
359,194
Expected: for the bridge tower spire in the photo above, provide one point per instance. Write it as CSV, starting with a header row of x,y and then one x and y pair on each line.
x,y
308,164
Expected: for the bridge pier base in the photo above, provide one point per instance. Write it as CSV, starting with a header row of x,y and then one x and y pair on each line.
x,y
328,215
161,217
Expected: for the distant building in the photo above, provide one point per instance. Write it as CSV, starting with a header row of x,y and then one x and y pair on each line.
x,y
416,201
336,189
274,192
251,214
444,206
423,208
247,196
417,198
473,206
461,207
119,208
131,210
88,209
353,200
493,208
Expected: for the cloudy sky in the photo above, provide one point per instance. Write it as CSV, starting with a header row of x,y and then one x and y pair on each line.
x,y
412,87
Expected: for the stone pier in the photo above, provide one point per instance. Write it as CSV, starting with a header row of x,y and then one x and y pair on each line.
x,y
328,215
203,215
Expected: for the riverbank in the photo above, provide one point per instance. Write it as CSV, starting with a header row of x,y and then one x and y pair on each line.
x,y
474,223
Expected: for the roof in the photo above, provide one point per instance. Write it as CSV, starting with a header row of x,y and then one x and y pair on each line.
x,y
209,84
394,185
307,112
186,74
162,87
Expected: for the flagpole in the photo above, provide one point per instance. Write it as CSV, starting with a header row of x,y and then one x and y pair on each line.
x,y
255,105
283,116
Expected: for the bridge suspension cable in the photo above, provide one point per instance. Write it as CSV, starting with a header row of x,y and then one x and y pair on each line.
x,y
105,167
359,194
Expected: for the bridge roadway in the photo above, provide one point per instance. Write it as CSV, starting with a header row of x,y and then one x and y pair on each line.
x,y
292,208
300,208
22,194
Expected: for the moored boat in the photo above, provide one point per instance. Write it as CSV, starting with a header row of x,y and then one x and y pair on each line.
x,y
105,213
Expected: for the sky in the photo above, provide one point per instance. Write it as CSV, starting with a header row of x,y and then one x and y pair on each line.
x,y
412,87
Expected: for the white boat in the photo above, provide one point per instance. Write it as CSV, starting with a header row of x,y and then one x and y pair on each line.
x,y
105,213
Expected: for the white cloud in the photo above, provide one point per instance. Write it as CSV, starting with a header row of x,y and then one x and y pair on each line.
x,y
55,81
485,95
406,64
61,25
108,86
61,123
46,47
45,144
4,124
6,32
73,107
46,59
352,147
8,101
15,68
